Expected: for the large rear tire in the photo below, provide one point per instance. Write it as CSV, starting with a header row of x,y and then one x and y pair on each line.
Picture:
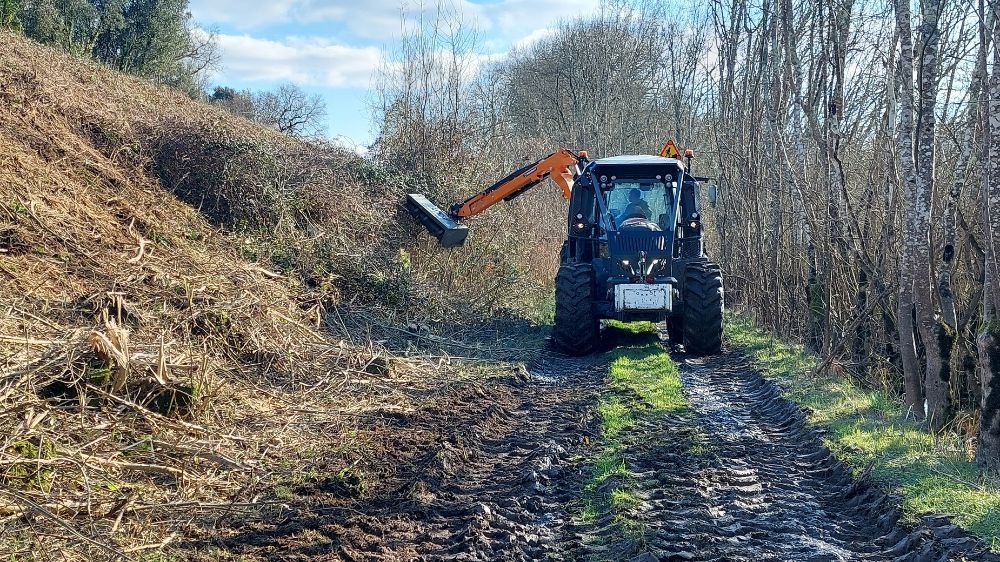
x,y
577,326
703,302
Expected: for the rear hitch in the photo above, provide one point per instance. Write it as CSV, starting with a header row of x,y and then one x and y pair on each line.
x,y
440,224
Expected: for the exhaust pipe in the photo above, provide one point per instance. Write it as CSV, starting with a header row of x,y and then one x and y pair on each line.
x,y
440,224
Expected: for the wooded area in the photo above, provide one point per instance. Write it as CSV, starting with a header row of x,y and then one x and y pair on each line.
x,y
856,145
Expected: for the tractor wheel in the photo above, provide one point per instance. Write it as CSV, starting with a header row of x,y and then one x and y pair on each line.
x,y
675,329
577,326
703,308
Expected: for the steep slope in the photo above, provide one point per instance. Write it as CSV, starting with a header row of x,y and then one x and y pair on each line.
x,y
196,317
144,362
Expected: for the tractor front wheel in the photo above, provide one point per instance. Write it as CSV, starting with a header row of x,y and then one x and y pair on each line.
x,y
703,308
577,326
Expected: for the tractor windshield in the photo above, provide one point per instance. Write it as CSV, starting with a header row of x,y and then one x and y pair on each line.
x,y
651,200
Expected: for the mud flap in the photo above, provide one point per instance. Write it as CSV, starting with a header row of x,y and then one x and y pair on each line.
x,y
439,223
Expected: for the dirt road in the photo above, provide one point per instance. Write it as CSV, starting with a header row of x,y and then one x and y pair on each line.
x,y
497,472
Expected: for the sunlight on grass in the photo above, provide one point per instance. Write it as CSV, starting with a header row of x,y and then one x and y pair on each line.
x,y
615,416
643,383
867,428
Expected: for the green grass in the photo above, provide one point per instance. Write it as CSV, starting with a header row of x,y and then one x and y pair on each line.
x,y
643,384
868,431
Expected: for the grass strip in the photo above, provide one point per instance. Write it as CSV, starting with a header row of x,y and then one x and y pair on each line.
x,y
868,431
643,385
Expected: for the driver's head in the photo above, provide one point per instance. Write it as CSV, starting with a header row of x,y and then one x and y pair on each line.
x,y
634,195
635,211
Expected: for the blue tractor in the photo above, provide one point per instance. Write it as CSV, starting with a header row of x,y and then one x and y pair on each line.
x,y
633,249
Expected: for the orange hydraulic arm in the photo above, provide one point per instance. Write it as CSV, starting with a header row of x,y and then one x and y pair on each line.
x,y
560,165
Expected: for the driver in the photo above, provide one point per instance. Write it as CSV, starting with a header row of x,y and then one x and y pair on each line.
x,y
637,206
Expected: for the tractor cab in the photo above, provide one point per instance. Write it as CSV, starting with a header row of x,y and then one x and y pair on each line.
x,y
625,197
639,190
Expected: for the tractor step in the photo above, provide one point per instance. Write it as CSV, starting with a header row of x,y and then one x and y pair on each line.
x,y
440,224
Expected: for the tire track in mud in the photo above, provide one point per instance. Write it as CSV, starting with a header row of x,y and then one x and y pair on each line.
x,y
496,470
481,474
510,504
741,477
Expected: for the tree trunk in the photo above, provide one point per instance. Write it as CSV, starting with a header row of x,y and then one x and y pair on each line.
x,y
937,338
914,399
988,450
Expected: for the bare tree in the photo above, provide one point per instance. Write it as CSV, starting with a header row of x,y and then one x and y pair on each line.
x,y
291,110
914,399
937,340
288,109
988,451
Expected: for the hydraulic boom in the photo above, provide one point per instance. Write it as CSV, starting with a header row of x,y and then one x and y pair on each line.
x,y
562,166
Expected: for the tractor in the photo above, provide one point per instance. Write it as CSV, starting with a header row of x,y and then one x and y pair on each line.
x,y
633,248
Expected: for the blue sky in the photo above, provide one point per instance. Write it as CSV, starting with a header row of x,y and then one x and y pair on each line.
x,y
333,48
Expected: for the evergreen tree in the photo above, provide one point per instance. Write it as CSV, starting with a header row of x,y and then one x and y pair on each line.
x,y
10,12
150,38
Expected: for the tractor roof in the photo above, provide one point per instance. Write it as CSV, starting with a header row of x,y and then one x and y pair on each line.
x,y
639,159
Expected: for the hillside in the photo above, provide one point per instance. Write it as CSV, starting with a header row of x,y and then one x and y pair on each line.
x,y
152,373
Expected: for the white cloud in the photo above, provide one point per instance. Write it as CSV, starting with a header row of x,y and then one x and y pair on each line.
x,y
382,19
240,13
378,19
534,37
264,52
510,16
306,61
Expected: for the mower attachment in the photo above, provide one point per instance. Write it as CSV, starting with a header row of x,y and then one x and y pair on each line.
x,y
439,223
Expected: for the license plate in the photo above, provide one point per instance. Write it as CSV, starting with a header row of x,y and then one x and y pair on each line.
x,y
642,297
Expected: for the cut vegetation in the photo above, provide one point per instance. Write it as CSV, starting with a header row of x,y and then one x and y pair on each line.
x,y
177,337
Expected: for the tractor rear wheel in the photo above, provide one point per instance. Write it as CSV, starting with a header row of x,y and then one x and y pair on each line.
x,y
577,326
703,308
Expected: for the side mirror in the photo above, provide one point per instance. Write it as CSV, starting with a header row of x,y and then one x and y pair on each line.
x,y
713,194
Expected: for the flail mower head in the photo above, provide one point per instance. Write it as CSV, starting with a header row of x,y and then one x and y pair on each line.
x,y
440,224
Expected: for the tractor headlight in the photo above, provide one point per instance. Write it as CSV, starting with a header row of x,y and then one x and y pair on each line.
x,y
626,266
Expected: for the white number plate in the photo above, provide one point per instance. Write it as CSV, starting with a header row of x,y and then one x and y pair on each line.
x,y
642,297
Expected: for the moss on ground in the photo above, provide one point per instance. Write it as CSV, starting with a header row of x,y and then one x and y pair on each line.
x,y
643,384
867,430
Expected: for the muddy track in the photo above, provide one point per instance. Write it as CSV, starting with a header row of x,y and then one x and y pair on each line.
x,y
741,477
480,474
495,472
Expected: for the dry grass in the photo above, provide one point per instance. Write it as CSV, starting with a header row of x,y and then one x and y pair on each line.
x,y
150,374
170,274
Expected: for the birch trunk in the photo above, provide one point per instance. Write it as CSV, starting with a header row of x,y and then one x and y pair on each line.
x,y
937,338
913,393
